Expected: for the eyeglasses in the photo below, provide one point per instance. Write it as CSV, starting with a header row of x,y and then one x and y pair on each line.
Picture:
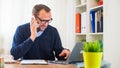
x,y
44,21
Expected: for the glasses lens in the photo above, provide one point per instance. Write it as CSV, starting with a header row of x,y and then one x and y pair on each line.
x,y
45,21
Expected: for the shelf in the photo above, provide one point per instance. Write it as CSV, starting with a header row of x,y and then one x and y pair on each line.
x,y
95,33
97,7
81,5
87,7
80,34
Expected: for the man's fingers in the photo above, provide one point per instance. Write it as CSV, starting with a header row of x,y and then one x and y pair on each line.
x,y
61,54
67,55
32,21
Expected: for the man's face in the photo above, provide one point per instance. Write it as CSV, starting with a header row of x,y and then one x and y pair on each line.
x,y
43,19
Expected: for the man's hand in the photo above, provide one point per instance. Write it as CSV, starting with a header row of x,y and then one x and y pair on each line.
x,y
33,28
65,53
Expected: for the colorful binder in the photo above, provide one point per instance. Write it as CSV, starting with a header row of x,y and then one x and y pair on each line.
x,y
92,17
78,23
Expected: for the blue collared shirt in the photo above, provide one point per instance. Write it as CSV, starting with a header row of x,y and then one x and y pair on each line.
x,y
39,33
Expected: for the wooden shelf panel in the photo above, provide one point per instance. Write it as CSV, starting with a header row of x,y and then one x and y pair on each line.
x,y
80,34
81,5
101,33
97,7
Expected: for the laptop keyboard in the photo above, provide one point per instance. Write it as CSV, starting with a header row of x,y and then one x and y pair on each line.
x,y
57,62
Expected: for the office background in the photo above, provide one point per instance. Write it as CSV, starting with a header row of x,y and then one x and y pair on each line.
x,y
17,12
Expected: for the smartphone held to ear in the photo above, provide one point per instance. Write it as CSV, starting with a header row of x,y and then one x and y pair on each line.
x,y
36,24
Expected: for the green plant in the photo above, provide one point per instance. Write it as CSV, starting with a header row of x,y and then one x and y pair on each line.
x,y
97,0
96,46
83,40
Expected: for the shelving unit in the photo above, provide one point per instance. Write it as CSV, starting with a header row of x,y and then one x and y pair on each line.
x,y
80,34
96,7
96,33
81,5
87,7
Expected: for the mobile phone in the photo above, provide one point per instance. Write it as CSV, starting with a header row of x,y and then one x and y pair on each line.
x,y
37,25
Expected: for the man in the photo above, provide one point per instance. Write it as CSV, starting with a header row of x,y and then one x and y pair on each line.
x,y
37,39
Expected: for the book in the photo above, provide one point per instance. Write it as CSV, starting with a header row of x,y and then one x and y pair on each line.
x,y
83,23
78,23
92,19
96,21
29,62
100,21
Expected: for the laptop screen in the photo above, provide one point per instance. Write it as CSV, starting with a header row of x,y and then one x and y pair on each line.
x,y
76,54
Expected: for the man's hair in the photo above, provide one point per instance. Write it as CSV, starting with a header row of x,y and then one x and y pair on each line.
x,y
39,7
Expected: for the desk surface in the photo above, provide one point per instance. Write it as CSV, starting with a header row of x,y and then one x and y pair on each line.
x,y
39,66
11,64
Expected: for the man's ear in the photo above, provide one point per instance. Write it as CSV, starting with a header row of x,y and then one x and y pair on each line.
x,y
33,14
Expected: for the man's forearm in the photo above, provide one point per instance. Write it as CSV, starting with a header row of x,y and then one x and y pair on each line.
x,y
20,50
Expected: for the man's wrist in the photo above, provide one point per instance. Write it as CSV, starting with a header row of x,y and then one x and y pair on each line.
x,y
66,49
32,38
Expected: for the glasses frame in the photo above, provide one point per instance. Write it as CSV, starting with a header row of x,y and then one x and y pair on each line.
x,y
44,21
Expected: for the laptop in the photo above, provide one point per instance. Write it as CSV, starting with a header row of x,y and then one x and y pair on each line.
x,y
75,56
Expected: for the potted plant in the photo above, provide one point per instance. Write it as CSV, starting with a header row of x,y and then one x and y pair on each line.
x,y
92,54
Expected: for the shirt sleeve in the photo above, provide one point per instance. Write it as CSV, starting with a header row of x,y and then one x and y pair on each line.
x,y
58,46
19,45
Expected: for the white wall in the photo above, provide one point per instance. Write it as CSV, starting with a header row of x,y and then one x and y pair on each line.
x,y
10,16
70,30
112,32
17,12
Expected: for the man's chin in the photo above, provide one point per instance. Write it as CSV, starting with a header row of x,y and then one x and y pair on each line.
x,y
42,29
